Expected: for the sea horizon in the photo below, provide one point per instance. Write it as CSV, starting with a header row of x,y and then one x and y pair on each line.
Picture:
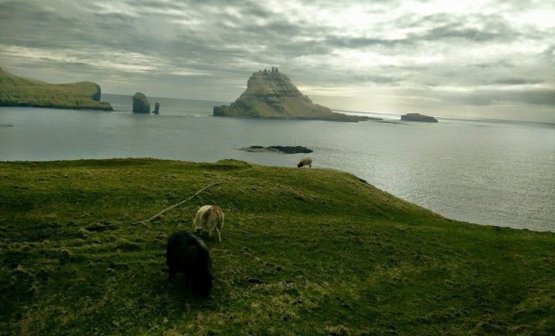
x,y
384,114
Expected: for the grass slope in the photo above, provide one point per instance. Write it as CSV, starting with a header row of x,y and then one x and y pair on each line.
x,y
19,91
304,252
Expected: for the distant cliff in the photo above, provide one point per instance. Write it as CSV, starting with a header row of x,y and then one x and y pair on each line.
x,y
271,95
19,91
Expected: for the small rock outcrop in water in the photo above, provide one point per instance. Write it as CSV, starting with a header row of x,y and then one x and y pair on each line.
x,y
278,149
156,108
20,91
140,103
418,117
271,95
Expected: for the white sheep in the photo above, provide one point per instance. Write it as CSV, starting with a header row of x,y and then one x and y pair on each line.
x,y
208,219
305,162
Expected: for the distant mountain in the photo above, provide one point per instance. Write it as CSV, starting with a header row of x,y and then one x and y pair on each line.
x,y
19,91
271,95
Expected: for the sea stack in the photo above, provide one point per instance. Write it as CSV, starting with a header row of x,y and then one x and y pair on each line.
x,y
270,94
418,117
140,103
156,108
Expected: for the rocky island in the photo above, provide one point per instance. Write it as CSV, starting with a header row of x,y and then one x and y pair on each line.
x,y
140,103
278,149
271,95
24,92
418,117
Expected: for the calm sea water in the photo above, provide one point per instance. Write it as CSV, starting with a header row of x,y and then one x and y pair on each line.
x,y
491,173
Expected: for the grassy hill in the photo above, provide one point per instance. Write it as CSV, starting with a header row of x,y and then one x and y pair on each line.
x,y
19,91
304,252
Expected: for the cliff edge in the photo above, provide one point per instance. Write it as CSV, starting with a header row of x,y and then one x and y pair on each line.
x,y
271,95
20,91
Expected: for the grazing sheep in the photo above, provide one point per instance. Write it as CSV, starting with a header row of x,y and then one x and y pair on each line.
x,y
208,219
187,253
305,162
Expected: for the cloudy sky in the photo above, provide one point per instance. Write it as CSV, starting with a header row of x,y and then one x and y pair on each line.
x,y
476,58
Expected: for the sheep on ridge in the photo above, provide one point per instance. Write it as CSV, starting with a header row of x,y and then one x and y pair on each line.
x,y
305,162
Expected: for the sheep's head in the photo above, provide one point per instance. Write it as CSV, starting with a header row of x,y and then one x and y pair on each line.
x,y
299,165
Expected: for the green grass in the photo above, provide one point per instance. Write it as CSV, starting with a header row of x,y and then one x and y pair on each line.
x,y
304,251
19,91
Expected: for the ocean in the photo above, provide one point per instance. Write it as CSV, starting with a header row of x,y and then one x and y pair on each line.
x,y
486,172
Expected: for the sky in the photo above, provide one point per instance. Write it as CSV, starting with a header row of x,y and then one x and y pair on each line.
x,y
470,59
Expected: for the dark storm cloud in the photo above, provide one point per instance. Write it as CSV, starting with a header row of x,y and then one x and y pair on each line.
x,y
363,42
497,64
454,31
549,53
516,81
378,79
476,27
214,45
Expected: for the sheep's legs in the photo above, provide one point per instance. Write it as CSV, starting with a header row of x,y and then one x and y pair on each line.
x,y
219,235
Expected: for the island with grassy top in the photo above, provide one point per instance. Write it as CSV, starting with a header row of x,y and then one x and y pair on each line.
x,y
304,252
270,94
24,92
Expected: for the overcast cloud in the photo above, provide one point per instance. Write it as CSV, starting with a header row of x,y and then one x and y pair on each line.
x,y
487,58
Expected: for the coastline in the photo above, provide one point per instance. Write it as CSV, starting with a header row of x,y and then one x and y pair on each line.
x,y
102,106
402,159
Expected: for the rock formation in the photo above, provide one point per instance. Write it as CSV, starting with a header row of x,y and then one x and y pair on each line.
x,y
278,149
418,117
140,103
20,91
156,108
271,95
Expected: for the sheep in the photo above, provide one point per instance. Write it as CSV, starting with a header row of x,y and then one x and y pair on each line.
x,y
208,219
188,254
305,162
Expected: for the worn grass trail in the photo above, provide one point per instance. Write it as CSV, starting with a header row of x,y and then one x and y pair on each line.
x,y
314,252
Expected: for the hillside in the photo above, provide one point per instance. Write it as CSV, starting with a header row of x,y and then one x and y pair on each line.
x,y
19,91
304,252
270,94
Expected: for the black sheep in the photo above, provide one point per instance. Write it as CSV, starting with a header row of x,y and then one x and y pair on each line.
x,y
188,254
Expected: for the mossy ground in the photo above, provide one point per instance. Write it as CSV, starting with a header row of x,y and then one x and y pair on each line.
x,y
304,252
